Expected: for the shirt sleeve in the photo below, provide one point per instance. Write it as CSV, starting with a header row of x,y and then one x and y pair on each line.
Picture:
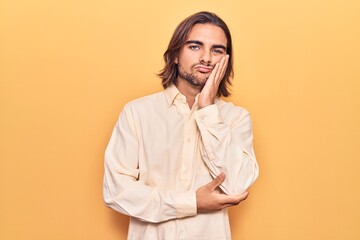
x,y
228,147
125,193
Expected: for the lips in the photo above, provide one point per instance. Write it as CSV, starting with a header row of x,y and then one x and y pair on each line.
x,y
203,69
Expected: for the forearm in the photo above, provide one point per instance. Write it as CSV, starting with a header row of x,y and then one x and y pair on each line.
x,y
149,204
228,148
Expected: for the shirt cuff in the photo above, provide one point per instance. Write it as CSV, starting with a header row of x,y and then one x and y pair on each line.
x,y
186,204
209,115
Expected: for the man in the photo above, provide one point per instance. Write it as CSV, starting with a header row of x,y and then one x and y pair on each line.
x,y
179,158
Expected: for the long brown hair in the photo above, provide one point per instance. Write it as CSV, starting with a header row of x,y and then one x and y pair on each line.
x,y
170,72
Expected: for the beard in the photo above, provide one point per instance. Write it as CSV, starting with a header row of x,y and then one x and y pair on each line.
x,y
191,77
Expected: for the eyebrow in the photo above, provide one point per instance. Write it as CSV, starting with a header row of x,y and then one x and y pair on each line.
x,y
200,43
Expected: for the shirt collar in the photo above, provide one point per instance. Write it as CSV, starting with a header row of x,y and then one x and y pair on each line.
x,y
171,92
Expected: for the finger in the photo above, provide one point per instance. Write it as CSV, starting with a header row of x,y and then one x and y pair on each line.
x,y
234,199
241,197
216,182
228,205
223,67
213,73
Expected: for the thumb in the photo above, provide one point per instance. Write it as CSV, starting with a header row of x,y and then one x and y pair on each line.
x,y
217,181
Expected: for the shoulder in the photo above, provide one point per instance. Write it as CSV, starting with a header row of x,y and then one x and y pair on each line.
x,y
146,102
230,108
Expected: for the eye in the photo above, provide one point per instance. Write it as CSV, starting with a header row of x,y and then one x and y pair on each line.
x,y
194,47
219,51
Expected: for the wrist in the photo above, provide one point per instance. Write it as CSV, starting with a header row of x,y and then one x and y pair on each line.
x,y
205,104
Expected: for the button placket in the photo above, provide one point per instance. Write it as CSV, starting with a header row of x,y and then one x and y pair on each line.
x,y
189,150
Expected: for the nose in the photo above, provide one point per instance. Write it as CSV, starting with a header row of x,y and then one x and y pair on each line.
x,y
205,57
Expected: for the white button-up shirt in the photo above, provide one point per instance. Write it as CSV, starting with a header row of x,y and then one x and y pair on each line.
x,y
161,152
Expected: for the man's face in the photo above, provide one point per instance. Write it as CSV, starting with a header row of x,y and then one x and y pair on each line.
x,y
203,48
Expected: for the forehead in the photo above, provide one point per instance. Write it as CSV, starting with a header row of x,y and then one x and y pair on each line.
x,y
207,34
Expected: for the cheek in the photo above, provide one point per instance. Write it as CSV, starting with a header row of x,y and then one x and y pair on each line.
x,y
187,57
185,62
217,59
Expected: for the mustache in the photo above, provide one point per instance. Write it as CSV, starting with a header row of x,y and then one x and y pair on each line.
x,y
203,65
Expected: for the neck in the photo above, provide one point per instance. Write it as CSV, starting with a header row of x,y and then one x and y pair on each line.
x,y
188,90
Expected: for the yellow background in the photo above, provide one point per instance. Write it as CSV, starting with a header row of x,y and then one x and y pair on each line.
x,y
67,67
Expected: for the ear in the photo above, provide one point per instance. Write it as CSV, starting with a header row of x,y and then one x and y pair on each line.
x,y
176,61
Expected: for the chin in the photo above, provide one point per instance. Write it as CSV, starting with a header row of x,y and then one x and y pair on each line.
x,y
202,84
